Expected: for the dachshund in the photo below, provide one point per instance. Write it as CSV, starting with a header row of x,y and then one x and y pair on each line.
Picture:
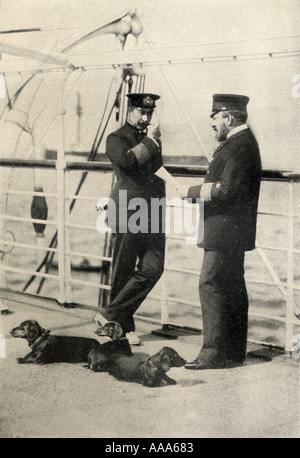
x,y
118,345
46,349
145,369
116,358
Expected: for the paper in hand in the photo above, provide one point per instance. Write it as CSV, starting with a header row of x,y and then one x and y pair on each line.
x,y
166,176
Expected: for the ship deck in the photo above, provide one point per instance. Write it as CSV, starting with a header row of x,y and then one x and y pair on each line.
x,y
257,400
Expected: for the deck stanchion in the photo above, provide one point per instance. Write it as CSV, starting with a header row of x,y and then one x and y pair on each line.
x,y
4,177
68,271
3,193
164,300
290,178
290,270
61,193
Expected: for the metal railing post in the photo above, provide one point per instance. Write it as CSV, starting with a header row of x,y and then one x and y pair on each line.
x,y
3,193
68,273
61,194
290,270
164,295
64,252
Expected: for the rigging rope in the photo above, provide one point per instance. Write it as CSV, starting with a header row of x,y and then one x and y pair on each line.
x,y
47,261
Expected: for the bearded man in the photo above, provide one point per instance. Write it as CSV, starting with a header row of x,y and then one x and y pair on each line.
x,y
230,192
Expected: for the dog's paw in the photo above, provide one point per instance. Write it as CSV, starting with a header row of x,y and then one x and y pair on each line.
x,y
167,381
96,367
21,360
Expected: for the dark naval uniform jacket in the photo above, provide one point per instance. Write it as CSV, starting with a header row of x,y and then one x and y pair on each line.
x,y
232,187
135,159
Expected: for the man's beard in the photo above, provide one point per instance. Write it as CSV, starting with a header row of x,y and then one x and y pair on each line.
x,y
221,134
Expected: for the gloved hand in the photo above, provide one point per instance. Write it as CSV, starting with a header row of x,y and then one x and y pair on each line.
x,y
182,190
154,131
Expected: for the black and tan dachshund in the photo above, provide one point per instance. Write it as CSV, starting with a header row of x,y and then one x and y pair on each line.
x,y
116,358
46,348
145,369
99,357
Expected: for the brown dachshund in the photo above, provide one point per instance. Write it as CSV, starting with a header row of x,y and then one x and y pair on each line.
x,y
118,345
145,369
116,358
47,349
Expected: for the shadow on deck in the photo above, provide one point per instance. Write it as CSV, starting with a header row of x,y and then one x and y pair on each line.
x,y
259,399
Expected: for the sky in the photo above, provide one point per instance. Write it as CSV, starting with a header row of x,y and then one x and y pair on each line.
x,y
211,28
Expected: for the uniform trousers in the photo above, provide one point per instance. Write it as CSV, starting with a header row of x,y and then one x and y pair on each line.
x,y
224,304
138,263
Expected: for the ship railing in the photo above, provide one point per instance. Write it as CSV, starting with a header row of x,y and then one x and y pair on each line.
x,y
64,253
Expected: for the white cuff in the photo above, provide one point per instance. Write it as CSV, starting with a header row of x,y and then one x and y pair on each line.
x,y
205,191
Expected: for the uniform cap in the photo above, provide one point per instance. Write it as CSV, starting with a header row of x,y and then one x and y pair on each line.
x,y
143,100
226,102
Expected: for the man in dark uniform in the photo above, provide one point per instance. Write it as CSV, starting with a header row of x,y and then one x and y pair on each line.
x,y
135,153
230,192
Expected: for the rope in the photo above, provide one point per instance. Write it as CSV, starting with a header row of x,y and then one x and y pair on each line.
x,y
47,261
3,111
180,103
12,100
53,243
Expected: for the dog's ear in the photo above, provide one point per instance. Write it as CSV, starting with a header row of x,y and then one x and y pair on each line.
x,y
41,330
117,332
165,362
152,375
33,329
162,360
